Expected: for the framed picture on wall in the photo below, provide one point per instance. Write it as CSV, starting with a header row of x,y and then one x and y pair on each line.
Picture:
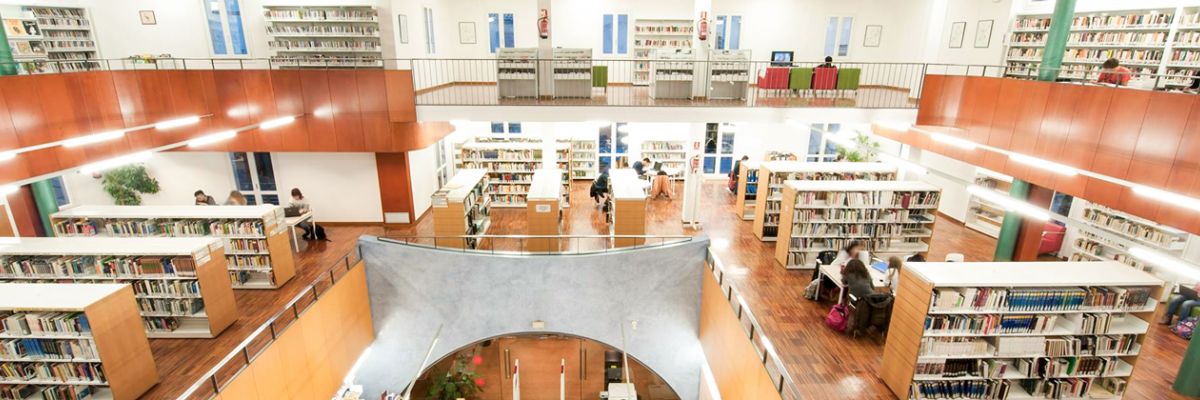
x,y
873,36
466,32
983,34
957,30
147,17
402,27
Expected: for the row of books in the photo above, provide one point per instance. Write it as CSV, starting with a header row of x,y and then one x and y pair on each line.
x,y
1125,55
246,245
1046,367
172,307
661,145
83,267
1147,19
57,392
1129,227
86,227
990,324
355,45
837,215
981,389
1040,299
1090,345
58,372
248,261
57,12
1098,38
44,323
158,287
47,349
779,178
511,155
848,230
361,30
521,166
160,324
364,14
959,368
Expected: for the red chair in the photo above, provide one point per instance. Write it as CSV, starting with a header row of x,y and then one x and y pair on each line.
x,y
825,78
1052,238
774,78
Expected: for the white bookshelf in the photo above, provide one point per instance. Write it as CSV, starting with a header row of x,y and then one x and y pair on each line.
x,y
572,73
773,174
728,74
324,36
1104,234
671,153
887,217
1018,330
516,72
585,160
180,284
462,207
562,163
510,166
651,34
983,215
672,72
257,250
63,40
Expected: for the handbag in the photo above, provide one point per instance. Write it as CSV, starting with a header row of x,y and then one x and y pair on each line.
x,y
1185,327
810,291
837,318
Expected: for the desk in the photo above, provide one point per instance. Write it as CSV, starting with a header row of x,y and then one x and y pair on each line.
x,y
879,279
293,221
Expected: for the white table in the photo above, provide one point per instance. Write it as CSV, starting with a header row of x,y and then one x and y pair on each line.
x,y
293,221
834,272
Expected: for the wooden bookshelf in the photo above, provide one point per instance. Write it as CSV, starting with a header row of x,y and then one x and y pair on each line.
x,y
671,153
1090,345
775,173
747,190
181,284
462,208
888,217
323,36
258,252
628,206
544,210
510,167
983,215
651,34
102,328
585,160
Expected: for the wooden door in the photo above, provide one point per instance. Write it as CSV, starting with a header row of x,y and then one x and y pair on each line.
x,y
540,364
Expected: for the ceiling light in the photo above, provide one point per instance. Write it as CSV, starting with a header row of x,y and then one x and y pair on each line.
x,y
178,122
277,122
1009,203
211,138
994,174
1164,261
953,141
7,155
1164,196
9,189
115,162
1043,164
323,112
93,138
904,164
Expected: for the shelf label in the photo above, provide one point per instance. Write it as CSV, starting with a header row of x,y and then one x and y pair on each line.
x,y
541,208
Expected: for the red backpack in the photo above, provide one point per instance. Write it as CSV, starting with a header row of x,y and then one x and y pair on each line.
x,y
837,318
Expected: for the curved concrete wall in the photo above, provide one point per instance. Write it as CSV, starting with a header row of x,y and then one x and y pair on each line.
x,y
413,290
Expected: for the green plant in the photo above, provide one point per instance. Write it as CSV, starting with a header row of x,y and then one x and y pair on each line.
x,y
456,383
126,184
865,150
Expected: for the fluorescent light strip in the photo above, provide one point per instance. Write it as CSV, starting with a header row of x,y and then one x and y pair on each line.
x,y
1009,203
1162,260
115,162
7,155
1044,164
211,138
93,138
9,189
904,164
953,141
178,122
275,123
1164,196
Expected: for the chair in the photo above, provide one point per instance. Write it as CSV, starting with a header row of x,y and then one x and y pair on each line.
x,y
600,77
825,78
801,79
773,78
848,79
1052,238
874,311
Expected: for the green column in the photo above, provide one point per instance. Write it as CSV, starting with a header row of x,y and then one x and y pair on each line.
x,y
1056,40
1007,243
43,196
1186,382
7,67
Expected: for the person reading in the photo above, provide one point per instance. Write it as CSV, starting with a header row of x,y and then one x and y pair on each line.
x,y
1113,73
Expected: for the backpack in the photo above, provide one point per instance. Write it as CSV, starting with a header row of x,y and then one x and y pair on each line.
x,y
319,233
1185,327
837,318
810,291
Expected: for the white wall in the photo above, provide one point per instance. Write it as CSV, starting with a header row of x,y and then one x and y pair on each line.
x,y
972,12
179,174
422,170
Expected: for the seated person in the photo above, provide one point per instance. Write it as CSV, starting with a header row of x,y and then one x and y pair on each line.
x,y
599,189
853,250
893,274
236,198
1182,305
828,63
204,199
640,166
661,185
1114,74
857,280
300,202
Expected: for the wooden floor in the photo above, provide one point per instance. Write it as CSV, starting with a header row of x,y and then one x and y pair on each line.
x,y
825,364
624,95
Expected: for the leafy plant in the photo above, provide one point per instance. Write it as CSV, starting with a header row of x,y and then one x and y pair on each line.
x,y
865,150
127,184
456,383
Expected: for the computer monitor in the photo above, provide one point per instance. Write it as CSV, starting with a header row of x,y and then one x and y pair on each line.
x,y
781,58
657,166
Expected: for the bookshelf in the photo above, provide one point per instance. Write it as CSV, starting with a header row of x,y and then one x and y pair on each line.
x,y
766,218
324,36
544,210
888,217
652,34
585,161
672,72
982,215
180,284
1018,330
628,206
462,207
728,74
747,190
91,338
510,167
516,72
671,153
1094,239
258,253
572,73
54,39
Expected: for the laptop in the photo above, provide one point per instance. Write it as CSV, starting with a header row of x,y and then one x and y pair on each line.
x,y
1187,292
293,211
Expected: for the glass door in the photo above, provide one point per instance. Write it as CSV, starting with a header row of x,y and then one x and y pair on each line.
x,y
254,176
718,148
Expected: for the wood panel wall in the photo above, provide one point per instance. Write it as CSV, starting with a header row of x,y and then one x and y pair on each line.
x,y
736,366
372,111
310,358
1150,138
395,184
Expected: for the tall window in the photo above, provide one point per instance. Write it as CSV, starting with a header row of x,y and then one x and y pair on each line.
x,y
616,34
509,127
614,146
225,30
430,45
500,27
718,148
254,176
818,148
837,36
729,32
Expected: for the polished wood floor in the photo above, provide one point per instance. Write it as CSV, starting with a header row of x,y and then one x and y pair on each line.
x,y
624,95
825,364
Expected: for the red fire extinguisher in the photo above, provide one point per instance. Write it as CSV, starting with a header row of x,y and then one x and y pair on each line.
x,y
703,34
544,23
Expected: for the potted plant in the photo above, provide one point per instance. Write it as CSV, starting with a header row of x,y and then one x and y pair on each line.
x,y
865,150
456,384
126,184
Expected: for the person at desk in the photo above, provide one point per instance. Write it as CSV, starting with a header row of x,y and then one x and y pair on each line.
x,y
828,63
236,198
852,251
640,166
1113,73
895,264
203,199
599,189
857,280
661,185
1182,304
299,202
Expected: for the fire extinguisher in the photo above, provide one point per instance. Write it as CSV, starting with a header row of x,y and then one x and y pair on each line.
x,y
544,23
703,34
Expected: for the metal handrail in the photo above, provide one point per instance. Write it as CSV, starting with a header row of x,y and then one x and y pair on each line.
x,y
523,240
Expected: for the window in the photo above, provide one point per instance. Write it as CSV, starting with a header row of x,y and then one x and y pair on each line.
x,y
615,44
430,46
818,148
729,32
837,41
500,27
512,127
254,176
718,148
61,197
225,30
614,149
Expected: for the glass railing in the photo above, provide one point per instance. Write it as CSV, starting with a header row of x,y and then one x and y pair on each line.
x,y
531,245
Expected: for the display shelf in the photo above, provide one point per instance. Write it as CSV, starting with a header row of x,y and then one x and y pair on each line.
x,y
572,73
888,217
462,208
672,72
728,74
323,36
96,326
516,72
259,229
186,275
671,153
510,167
747,190
59,39
766,217
627,205
1032,325
585,161
652,34
1101,233
544,210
